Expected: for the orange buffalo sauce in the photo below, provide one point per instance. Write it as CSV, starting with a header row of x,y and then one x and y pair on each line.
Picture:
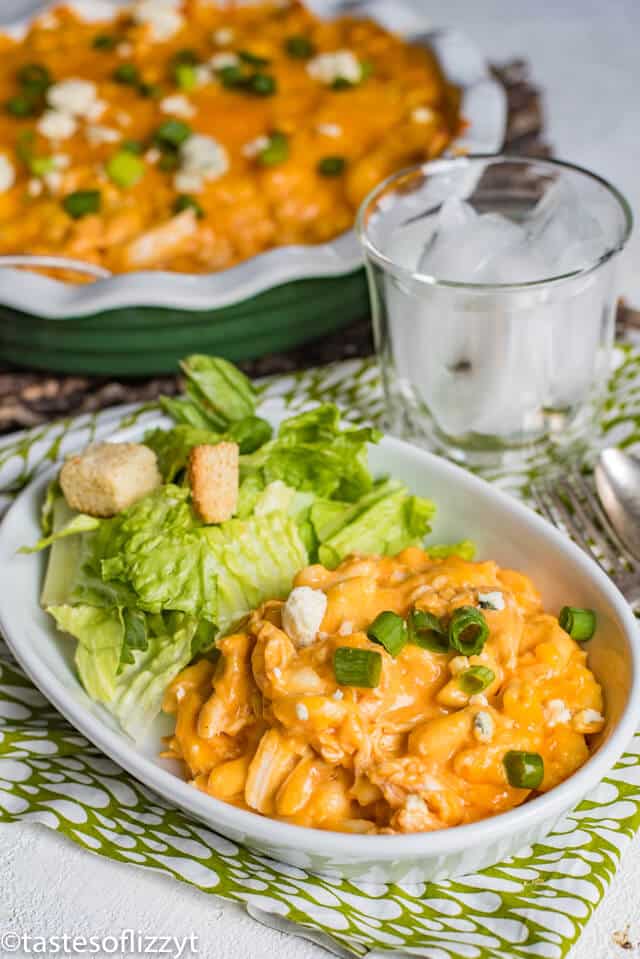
x,y
270,729
400,110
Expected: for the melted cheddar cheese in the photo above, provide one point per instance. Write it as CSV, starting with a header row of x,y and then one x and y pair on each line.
x,y
269,729
222,197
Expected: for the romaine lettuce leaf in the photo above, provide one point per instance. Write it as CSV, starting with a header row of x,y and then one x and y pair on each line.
x,y
254,560
69,546
465,549
131,688
46,512
218,389
76,523
153,556
386,520
100,635
312,453
172,447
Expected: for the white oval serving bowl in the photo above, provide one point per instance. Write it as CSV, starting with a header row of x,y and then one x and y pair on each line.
x,y
504,530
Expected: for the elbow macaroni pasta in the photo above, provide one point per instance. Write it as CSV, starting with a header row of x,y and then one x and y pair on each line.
x,y
269,729
404,111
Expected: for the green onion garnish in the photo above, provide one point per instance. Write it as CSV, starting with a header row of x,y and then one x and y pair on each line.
x,y
390,630
262,85
22,105
579,623
34,78
357,667
81,203
104,41
475,679
125,169
366,69
172,133
150,90
524,770
232,76
468,630
126,73
331,166
39,166
132,146
186,202
277,151
169,161
186,77
252,59
187,56
299,47
426,631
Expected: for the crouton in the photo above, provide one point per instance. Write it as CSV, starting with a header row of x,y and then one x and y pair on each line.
x,y
214,476
108,477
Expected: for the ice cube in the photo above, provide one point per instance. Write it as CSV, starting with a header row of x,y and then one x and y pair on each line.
x,y
562,230
467,247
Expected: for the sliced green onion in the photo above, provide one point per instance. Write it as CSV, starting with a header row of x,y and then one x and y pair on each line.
x,y
150,90
426,631
125,169
172,133
331,166
579,623
169,161
468,630
186,77
475,679
127,73
357,667
277,151
252,59
22,105
232,76
366,69
34,78
524,770
132,146
81,203
262,85
41,165
186,202
299,47
390,630
187,57
104,41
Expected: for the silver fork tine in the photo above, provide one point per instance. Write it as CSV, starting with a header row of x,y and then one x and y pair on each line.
x,y
630,562
595,535
554,508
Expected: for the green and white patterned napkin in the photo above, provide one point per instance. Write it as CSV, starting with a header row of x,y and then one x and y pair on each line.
x,y
533,905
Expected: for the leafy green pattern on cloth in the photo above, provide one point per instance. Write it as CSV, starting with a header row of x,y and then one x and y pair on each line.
x,y
532,905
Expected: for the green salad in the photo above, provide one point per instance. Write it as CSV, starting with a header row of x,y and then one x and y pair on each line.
x,y
146,590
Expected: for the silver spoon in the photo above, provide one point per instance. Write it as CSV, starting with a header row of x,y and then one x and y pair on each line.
x,y
617,476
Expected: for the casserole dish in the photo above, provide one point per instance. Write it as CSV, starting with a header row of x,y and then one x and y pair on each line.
x,y
141,322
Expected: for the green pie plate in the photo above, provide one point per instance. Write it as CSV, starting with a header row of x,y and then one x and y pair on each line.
x,y
142,340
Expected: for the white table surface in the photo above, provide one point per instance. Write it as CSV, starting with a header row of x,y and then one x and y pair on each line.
x,y
585,52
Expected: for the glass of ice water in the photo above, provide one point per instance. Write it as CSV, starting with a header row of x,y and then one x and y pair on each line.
x,y
493,299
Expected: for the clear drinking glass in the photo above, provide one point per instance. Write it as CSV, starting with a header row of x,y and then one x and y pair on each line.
x,y
478,366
